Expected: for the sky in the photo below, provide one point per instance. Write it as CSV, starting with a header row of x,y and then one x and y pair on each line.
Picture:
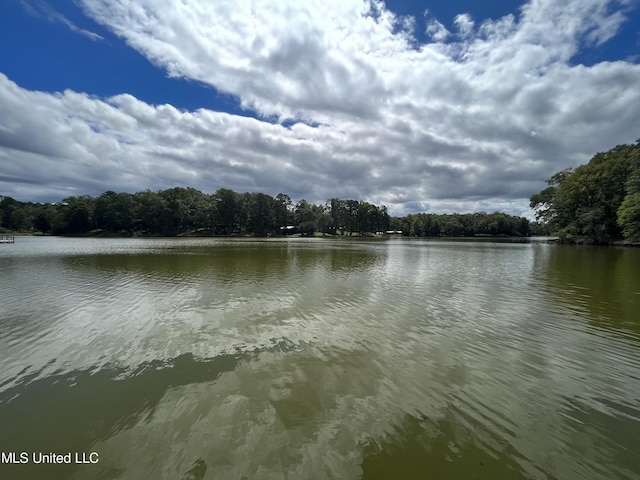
x,y
437,106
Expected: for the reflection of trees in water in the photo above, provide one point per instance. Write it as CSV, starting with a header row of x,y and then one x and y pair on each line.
x,y
602,282
422,447
250,261
351,259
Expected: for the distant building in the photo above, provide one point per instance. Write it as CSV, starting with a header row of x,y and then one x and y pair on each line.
x,y
288,230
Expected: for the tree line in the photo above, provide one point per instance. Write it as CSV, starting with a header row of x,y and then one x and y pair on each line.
x,y
595,203
464,225
179,211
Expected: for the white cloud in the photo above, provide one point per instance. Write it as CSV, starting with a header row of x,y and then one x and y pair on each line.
x,y
465,24
447,125
437,31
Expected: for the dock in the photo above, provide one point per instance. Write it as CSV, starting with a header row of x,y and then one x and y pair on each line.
x,y
7,239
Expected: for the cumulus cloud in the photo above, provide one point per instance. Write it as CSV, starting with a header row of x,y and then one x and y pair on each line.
x,y
465,24
436,30
474,124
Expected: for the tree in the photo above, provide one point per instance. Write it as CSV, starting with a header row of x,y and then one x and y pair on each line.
x,y
46,219
203,212
261,214
351,218
585,202
629,217
115,211
17,218
7,204
338,212
451,226
77,214
149,210
227,211
284,210
324,220
544,203
305,218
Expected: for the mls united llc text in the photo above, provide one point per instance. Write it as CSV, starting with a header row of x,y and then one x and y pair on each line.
x,y
52,457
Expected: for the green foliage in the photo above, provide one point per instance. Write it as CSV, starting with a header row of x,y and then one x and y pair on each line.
x,y
629,217
284,210
178,211
462,225
262,213
305,218
46,219
352,216
227,208
77,214
586,202
543,202
114,211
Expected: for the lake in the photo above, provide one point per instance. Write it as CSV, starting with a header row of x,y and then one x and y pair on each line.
x,y
318,359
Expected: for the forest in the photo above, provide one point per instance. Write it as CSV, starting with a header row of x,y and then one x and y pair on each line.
x,y
596,203
188,211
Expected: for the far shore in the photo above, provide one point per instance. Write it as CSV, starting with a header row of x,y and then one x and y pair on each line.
x,y
346,235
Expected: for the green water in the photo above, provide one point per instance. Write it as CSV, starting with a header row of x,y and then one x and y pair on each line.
x,y
319,359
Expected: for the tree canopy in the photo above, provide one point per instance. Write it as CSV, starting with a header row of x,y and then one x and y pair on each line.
x,y
598,202
178,211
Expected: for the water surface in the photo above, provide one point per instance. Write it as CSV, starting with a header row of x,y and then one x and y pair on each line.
x,y
320,358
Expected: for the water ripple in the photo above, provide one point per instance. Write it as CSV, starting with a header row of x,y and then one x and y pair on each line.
x,y
337,358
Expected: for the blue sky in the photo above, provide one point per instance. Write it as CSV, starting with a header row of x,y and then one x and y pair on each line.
x,y
437,106
45,54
